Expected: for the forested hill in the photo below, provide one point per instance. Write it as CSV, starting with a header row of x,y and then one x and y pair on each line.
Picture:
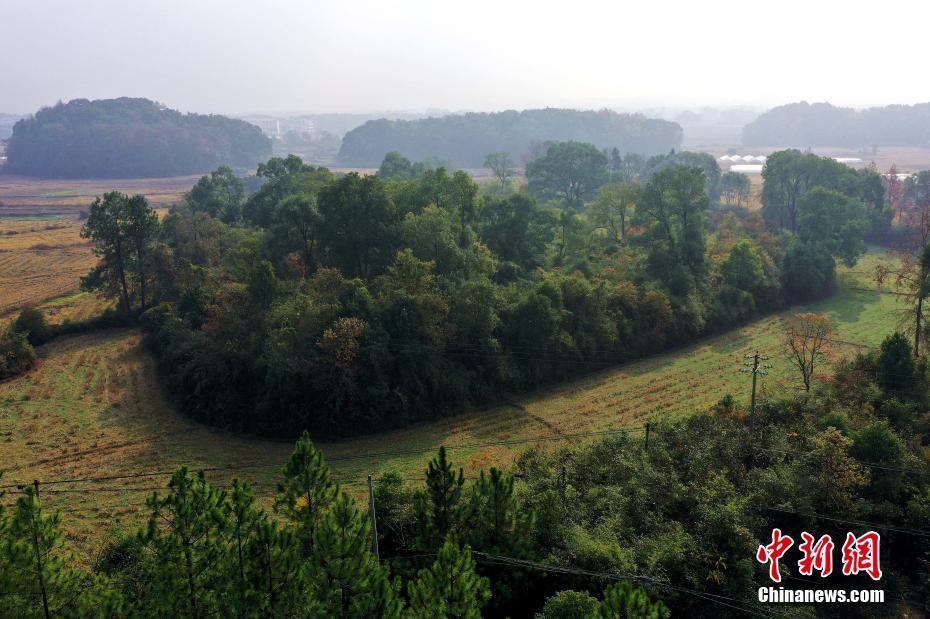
x,y
465,139
127,138
821,124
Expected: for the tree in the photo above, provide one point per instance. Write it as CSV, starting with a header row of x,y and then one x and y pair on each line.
x,y
569,171
347,578
807,340
896,367
185,535
441,508
396,167
673,207
624,601
359,224
835,222
502,166
308,489
31,323
614,208
141,231
496,523
910,272
517,230
569,605
106,228
220,195
734,187
37,577
449,588
296,226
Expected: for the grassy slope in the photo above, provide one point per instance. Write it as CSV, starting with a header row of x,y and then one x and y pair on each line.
x,y
92,408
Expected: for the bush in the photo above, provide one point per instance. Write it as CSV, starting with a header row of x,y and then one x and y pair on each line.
x,y
16,354
31,323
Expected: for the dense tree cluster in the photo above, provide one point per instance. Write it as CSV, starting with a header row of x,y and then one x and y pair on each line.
x,y
466,139
129,138
352,303
821,124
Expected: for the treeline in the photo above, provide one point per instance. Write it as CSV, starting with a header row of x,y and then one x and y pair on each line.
x,y
129,138
677,518
465,139
353,303
821,124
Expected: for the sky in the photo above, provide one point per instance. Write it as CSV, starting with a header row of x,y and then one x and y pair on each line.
x,y
313,56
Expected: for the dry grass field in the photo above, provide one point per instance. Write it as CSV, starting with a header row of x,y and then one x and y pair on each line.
x,y
32,197
92,408
39,260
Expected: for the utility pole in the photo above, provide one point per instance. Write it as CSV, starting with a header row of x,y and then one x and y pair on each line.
x,y
647,437
374,519
35,544
752,365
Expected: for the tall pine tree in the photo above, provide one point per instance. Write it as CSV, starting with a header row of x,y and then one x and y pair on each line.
x,y
449,588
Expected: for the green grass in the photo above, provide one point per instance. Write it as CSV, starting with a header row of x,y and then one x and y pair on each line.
x,y
93,407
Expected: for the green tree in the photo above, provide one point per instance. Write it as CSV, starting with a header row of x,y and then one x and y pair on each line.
x,y
837,223
673,207
517,230
348,580
396,167
449,588
359,224
186,536
614,209
624,601
220,195
296,227
502,166
569,605
877,444
896,367
141,230
441,507
31,323
106,229
569,171
734,187
308,489
496,522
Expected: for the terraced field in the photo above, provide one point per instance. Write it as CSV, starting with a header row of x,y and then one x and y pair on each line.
x,y
92,408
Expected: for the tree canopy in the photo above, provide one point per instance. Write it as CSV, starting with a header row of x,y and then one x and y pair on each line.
x,y
129,138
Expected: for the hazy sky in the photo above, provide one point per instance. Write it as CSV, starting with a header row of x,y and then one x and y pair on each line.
x,y
235,56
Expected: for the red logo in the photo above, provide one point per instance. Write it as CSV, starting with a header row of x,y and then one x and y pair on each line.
x,y
860,554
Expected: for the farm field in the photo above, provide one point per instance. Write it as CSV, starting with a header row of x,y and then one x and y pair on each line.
x,y
39,260
92,408
25,197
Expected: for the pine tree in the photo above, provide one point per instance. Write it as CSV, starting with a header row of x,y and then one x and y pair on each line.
x,y
35,572
496,523
276,572
308,489
440,509
449,588
187,534
348,579
624,601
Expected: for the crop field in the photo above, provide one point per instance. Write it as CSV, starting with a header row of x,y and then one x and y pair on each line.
x,y
92,408
39,260
24,197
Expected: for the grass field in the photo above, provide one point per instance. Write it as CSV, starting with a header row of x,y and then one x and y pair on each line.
x,y
40,260
92,408
22,197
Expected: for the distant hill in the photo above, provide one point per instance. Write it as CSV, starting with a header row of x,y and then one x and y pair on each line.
x,y
465,139
129,138
821,124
